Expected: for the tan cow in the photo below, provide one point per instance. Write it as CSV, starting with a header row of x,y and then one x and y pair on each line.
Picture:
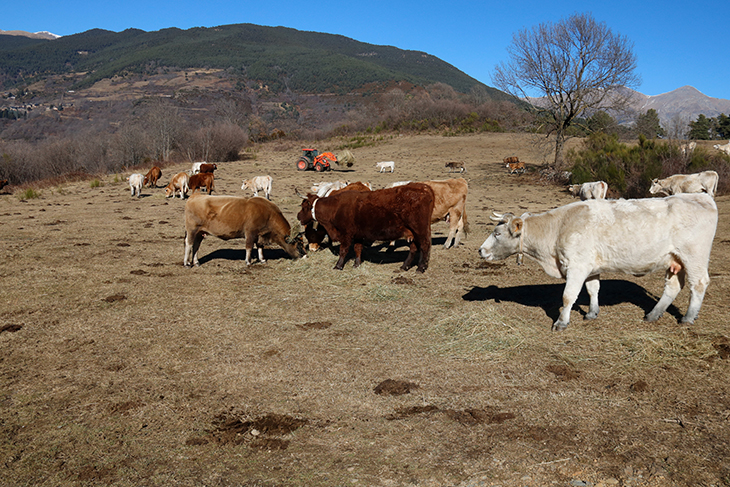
x,y
449,204
702,182
256,219
179,182
581,240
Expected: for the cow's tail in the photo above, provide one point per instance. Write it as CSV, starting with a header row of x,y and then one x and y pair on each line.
x,y
466,224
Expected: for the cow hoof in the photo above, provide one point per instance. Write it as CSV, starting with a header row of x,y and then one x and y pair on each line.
x,y
559,326
687,321
591,316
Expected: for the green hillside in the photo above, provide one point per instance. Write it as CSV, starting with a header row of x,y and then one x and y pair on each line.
x,y
279,57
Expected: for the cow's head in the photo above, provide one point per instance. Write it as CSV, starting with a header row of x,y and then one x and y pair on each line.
x,y
505,240
657,187
305,214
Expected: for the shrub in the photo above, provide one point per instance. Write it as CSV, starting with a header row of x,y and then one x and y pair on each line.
x,y
628,170
29,194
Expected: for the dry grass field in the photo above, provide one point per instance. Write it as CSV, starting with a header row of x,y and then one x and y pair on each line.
x,y
121,367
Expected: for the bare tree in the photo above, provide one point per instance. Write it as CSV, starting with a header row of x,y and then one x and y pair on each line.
x,y
575,66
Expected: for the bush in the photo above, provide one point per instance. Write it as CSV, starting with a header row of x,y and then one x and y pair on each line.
x,y
628,170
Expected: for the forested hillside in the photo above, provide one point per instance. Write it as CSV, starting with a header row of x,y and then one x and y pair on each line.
x,y
280,58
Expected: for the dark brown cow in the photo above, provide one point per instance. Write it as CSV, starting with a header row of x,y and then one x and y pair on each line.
x,y
152,176
316,233
364,217
208,168
3,183
201,180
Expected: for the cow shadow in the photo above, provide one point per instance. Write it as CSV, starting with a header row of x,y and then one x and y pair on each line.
x,y
549,297
240,255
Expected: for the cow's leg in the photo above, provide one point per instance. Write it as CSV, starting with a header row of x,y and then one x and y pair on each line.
x,y
673,283
192,244
573,284
455,222
411,255
358,254
188,250
251,239
697,288
593,284
261,252
424,245
344,250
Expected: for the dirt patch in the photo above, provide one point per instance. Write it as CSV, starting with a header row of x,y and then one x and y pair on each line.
x,y
315,325
390,387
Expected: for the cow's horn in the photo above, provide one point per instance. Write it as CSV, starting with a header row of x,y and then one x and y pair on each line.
x,y
496,216
296,190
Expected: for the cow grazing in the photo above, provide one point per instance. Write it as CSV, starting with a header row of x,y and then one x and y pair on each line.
x,y
201,180
179,182
357,218
456,166
136,181
723,147
258,183
581,240
450,205
382,166
702,182
152,177
589,191
257,220
316,233
208,168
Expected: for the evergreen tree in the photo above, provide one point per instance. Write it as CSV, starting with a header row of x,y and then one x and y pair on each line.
x,y
648,125
700,128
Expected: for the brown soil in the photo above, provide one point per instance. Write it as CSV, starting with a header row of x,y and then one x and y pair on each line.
x,y
121,367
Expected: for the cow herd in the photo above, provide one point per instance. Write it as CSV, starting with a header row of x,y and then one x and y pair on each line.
x,y
576,242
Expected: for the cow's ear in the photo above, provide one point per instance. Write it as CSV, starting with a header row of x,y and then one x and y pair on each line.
x,y
516,226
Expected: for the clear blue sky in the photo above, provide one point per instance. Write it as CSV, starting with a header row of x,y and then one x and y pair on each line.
x,y
676,44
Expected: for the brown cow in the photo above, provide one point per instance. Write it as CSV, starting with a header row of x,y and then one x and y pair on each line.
x,y
256,219
152,176
450,205
201,180
3,183
205,168
316,233
458,166
362,217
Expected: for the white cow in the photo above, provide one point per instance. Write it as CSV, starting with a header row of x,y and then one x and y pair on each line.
x,y
581,240
724,147
324,189
688,148
589,191
398,183
701,182
196,168
382,166
135,183
258,183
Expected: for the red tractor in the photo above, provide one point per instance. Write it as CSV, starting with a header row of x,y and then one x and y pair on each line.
x,y
312,159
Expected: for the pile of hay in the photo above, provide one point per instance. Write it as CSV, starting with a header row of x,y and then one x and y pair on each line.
x,y
346,158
